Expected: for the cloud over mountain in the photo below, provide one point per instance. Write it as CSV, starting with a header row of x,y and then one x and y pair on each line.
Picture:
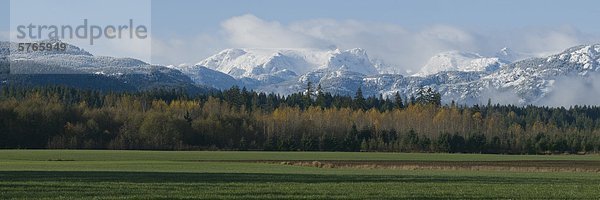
x,y
405,50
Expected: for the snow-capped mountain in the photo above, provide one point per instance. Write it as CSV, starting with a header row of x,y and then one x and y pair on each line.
x,y
460,61
278,65
79,68
354,60
73,60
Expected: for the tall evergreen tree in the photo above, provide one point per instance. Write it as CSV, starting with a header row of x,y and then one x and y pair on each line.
x,y
321,100
398,101
308,94
359,99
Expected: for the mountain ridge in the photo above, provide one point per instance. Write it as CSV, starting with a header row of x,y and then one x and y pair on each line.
x,y
468,78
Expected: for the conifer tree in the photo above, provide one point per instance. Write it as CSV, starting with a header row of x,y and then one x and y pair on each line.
x,y
359,99
398,101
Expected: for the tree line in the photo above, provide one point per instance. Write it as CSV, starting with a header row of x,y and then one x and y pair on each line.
x,y
313,120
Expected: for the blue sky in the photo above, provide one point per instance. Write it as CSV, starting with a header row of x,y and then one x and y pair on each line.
x,y
474,14
193,16
403,33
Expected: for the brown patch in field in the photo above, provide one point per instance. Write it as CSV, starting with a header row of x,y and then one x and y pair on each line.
x,y
60,160
518,166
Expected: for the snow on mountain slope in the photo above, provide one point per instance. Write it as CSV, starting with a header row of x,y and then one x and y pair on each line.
x,y
354,60
73,60
534,78
77,63
282,64
82,64
524,82
205,76
528,81
385,68
334,81
586,55
253,63
459,61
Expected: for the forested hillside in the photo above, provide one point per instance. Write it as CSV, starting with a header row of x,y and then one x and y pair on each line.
x,y
237,119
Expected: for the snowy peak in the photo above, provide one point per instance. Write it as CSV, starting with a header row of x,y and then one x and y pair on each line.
x,y
355,60
267,64
221,59
508,55
459,61
256,63
586,55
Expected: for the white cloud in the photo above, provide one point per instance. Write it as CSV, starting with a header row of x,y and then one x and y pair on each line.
x,y
502,96
250,31
574,91
400,47
547,41
127,48
135,48
190,50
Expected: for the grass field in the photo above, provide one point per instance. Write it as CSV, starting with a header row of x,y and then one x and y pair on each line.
x,y
81,174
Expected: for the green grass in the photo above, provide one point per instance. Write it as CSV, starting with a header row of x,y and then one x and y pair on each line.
x,y
52,174
103,155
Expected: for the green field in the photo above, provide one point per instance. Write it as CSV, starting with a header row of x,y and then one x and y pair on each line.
x,y
81,174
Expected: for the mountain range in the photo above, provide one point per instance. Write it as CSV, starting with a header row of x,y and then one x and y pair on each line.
x,y
464,77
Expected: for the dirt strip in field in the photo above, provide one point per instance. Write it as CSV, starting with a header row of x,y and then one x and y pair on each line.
x,y
520,166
